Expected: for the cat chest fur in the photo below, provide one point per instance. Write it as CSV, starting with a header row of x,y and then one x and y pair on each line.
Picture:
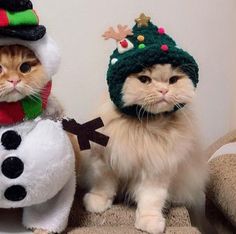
x,y
146,146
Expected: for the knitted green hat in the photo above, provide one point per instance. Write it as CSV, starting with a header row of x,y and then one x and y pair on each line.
x,y
143,46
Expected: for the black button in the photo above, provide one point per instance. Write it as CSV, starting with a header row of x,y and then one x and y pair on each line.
x,y
15,193
11,140
12,167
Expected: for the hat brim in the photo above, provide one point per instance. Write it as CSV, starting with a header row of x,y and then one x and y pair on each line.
x,y
28,33
16,5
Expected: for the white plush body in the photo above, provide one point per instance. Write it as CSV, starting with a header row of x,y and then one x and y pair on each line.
x,y
48,176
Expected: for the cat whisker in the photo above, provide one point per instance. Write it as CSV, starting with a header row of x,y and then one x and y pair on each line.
x,y
39,98
144,111
39,90
174,99
183,112
185,97
2,89
34,98
148,112
2,94
37,87
35,92
139,114
30,87
33,89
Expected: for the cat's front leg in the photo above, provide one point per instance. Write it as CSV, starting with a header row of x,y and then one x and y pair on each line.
x,y
103,187
150,198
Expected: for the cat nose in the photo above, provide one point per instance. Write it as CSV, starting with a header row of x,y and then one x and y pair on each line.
x,y
163,91
14,81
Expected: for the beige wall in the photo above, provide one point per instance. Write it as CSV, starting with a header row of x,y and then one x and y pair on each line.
x,y
204,27
233,116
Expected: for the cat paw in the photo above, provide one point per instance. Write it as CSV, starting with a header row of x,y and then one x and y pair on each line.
x,y
96,203
151,224
40,231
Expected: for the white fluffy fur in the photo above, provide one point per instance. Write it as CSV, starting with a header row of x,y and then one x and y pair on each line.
x,y
45,49
152,160
48,176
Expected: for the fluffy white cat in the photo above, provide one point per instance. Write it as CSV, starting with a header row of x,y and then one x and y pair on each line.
x,y
152,158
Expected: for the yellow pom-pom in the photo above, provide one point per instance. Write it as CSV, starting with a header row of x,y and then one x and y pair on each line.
x,y
141,38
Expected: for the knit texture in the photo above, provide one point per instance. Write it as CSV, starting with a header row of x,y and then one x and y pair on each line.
x,y
27,17
156,47
28,33
18,20
16,5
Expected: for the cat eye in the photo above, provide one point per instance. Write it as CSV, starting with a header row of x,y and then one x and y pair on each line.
x,y
25,67
145,79
174,79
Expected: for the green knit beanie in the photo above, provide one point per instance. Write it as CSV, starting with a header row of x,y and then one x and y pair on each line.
x,y
143,46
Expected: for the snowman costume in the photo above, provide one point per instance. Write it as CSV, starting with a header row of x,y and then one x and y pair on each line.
x,y
36,156
37,173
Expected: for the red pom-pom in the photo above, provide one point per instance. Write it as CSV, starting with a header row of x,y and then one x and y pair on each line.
x,y
161,31
124,44
164,48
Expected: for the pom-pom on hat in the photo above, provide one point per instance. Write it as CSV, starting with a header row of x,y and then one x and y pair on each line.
x,y
19,25
143,46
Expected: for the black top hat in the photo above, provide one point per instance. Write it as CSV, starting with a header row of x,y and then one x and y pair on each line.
x,y
19,20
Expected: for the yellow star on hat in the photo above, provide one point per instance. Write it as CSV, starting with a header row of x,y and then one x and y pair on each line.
x,y
143,20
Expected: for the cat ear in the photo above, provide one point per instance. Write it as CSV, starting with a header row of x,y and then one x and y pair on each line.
x,y
123,44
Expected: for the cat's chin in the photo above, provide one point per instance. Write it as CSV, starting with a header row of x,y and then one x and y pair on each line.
x,y
160,107
14,96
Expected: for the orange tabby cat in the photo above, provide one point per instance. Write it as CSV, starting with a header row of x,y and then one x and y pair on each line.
x,y
21,75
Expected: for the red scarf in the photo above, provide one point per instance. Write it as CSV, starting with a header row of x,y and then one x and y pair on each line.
x,y
26,109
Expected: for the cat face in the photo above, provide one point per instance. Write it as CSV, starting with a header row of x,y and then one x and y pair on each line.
x,y
21,73
158,89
